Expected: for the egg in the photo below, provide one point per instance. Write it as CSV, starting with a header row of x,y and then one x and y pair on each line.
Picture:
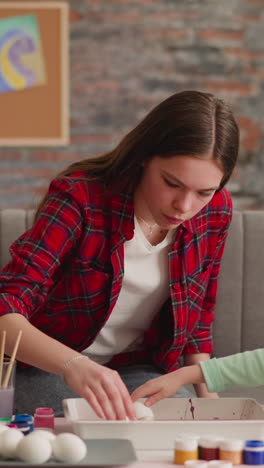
x,y
142,411
34,448
9,441
50,436
68,448
3,428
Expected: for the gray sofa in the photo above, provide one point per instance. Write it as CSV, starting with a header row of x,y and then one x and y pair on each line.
x,y
239,322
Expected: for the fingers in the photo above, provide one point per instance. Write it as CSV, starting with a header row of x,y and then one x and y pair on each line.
x,y
109,397
92,400
153,391
143,391
128,403
115,401
102,387
119,397
154,399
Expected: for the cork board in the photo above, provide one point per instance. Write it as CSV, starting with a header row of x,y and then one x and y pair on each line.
x,y
39,114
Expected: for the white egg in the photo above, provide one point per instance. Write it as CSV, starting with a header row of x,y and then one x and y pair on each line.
x,y
9,441
142,411
1,433
44,433
3,428
68,448
34,448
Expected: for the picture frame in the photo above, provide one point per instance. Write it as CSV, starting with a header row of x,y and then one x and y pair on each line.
x,y
34,73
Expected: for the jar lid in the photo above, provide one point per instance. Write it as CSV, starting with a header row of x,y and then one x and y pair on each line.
x,y
209,442
186,444
22,417
254,443
219,464
44,412
231,444
195,464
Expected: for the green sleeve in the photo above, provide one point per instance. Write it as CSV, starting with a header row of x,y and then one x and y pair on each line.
x,y
242,370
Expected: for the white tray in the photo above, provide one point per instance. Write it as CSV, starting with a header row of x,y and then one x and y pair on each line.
x,y
224,417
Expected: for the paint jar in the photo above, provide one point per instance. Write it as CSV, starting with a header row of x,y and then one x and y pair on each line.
x,y
18,418
253,453
232,450
209,448
44,418
23,427
196,464
185,449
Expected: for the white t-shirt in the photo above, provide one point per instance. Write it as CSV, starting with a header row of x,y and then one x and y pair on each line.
x,y
145,287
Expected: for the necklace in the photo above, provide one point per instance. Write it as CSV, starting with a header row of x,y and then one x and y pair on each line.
x,y
149,226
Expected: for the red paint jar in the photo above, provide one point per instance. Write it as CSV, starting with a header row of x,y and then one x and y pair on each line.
x,y
209,448
44,418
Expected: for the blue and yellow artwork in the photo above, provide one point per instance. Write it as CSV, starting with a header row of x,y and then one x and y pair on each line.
x,y
21,58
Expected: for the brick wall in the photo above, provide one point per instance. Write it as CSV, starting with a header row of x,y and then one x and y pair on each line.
x,y
128,55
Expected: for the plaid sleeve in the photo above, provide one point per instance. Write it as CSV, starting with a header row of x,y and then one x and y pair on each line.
x,y
200,340
38,254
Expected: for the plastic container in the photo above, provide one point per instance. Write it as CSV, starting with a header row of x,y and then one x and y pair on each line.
x,y
44,418
253,453
232,450
185,449
239,418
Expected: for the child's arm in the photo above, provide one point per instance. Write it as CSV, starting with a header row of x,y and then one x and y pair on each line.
x,y
200,388
168,384
242,369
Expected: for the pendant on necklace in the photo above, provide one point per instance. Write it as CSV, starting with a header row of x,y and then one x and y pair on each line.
x,y
150,230
149,226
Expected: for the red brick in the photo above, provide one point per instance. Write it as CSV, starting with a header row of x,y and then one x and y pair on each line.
x,y
219,34
11,155
234,87
91,139
75,15
242,53
165,34
250,133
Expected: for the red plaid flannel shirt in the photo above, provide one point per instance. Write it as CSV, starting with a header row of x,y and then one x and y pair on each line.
x,y
66,272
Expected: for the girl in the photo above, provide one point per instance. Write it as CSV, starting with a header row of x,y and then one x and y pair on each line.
x,y
117,278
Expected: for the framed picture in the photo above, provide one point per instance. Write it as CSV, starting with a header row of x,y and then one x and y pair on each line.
x,y
34,73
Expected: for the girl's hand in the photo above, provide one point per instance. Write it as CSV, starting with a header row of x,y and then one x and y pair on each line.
x,y
168,384
103,388
157,389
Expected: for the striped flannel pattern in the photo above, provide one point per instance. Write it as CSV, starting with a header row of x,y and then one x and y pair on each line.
x,y
66,272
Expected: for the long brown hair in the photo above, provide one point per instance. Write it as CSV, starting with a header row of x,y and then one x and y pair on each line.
x,y
186,123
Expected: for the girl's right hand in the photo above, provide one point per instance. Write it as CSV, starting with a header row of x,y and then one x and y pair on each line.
x,y
102,387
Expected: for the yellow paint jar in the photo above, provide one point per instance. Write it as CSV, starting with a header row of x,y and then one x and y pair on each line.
x,y
185,449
